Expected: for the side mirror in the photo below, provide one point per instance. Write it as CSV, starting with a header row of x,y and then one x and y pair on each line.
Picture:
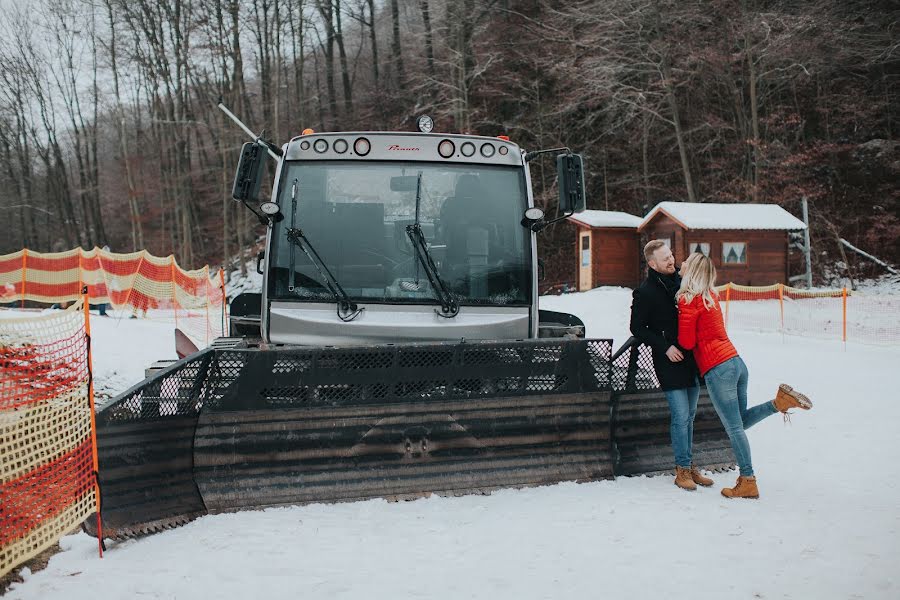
x,y
249,173
570,169
261,256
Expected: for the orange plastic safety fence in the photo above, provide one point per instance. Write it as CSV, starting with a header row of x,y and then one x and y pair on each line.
x,y
47,448
137,282
826,314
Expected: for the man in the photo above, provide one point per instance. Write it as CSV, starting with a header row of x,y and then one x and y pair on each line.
x,y
654,321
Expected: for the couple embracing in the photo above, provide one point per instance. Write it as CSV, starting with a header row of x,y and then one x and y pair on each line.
x,y
678,316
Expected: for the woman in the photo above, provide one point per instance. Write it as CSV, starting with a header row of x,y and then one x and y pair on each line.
x,y
702,329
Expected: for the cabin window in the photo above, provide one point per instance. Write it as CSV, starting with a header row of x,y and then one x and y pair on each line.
x,y
734,253
586,251
701,247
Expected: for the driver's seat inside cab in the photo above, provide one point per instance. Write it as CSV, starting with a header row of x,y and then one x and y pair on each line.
x,y
467,232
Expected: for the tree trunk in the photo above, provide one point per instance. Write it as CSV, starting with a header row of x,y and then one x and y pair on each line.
x,y
345,73
754,119
94,129
429,42
373,41
325,11
299,59
137,230
399,73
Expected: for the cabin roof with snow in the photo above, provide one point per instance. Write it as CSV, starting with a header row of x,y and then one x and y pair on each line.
x,y
703,215
606,219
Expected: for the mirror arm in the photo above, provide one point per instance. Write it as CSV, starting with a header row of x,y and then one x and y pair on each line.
x,y
539,226
529,156
273,150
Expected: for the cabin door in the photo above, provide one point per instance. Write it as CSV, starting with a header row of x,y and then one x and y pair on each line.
x,y
584,261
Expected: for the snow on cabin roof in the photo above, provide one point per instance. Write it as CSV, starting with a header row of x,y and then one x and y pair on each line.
x,y
606,218
697,215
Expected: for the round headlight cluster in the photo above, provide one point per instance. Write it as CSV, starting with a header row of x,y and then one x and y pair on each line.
x,y
304,145
487,150
320,146
361,146
467,149
426,124
446,148
269,208
340,146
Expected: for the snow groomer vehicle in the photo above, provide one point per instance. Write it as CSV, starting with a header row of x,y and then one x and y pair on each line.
x,y
396,350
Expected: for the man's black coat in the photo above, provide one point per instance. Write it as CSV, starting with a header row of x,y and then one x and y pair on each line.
x,y
654,321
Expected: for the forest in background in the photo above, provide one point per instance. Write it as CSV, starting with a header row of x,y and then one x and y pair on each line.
x,y
109,131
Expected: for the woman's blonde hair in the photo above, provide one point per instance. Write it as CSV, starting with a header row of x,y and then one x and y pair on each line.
x,y
698,278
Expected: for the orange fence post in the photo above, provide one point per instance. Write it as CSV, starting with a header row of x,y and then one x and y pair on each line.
x,y
174,297
81,285
781,303
224,303
24,269
727,301
87,330
207,286
844,302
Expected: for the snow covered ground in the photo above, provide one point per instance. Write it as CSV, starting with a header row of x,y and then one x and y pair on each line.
x,y
827,524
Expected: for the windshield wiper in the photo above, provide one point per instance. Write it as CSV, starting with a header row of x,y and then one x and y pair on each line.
x,y
347,309
449,306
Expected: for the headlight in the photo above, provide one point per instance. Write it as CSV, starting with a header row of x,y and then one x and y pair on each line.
x,y
320,146
446,148
361,146
467,149
340,146
487,150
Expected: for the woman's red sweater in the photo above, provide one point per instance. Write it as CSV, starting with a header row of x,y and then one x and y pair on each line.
x,y
703,331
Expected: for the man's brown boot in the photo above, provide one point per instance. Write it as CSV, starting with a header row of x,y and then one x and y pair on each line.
x,y
787,398
683,479
744,488
698,477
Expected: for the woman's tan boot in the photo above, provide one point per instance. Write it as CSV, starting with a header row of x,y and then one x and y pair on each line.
x,y
788,398
744,488
699,478
684,480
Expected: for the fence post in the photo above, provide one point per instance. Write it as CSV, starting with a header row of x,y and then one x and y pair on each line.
x,y
85,298
844,302
174,297
781,305
81,286
206,284
224,303
727,301
24,269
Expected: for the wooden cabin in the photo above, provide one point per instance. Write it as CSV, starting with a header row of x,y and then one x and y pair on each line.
x,y
608,249
747,242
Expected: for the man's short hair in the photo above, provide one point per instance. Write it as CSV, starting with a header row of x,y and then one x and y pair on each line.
x,y
651,247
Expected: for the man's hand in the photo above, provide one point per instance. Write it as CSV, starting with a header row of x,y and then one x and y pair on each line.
x,y
674,354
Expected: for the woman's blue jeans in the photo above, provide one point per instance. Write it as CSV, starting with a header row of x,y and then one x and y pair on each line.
x,y
727,385
683,408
